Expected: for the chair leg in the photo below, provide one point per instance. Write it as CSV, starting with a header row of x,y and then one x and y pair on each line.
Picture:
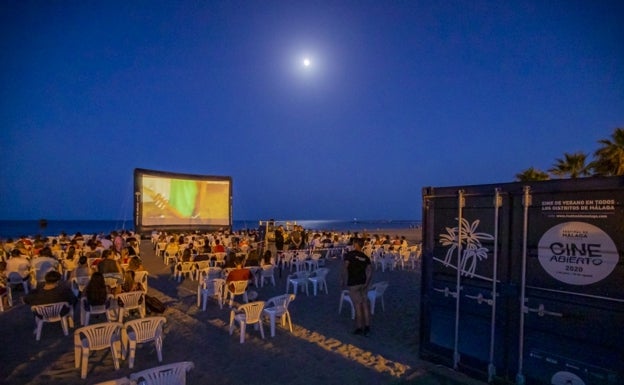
x,y
242,331
131,353
38,330
84,362
159,344
116,351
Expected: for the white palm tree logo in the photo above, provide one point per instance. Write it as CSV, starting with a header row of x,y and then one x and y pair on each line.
x,y
472,250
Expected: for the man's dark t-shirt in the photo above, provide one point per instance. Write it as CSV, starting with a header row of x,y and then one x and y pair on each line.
x,y
358,262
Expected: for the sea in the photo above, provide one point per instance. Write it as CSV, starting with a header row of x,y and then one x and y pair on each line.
x,y
18,228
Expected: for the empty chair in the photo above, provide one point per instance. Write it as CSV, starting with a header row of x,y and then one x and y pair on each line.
x,y
298,262
86,309
138,331
345,297
61,312
170,374
235,288
247,314
186,269
377,291
318,280
132,300
296,280
96,337
210,287
201,268
277,307
267,273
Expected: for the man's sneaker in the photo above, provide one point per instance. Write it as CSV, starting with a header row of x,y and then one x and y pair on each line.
x,y
358,331
366,330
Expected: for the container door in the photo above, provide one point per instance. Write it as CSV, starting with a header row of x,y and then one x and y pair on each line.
x,y
465,305
573,310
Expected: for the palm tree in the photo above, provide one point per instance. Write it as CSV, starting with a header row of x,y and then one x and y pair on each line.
x,y
532,174
610,157
573,166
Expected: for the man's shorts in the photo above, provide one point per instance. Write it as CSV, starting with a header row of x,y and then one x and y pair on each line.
x,y
358,294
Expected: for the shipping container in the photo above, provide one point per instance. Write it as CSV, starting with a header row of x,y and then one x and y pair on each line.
x,y
523,283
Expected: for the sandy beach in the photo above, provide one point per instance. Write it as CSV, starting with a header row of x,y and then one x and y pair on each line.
x,y
321,349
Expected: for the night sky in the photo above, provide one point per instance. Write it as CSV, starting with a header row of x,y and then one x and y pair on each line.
x,y
397,96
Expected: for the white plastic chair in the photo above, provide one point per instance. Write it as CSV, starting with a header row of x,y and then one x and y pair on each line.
x,y
138,331
15,279
267,273
132,300
171,374
96,337
344,297
234,288
186,269
296,280
210,287
247,314
101,309
277,307
141,277
318,280
52,313
377,290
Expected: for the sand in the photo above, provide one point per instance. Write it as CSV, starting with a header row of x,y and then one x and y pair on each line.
x,y
321,349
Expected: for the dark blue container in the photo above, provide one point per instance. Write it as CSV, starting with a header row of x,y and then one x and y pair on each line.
x,y
524,282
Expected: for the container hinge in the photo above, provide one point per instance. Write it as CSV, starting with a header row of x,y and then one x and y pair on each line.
x,y
541,311
448,291
481,299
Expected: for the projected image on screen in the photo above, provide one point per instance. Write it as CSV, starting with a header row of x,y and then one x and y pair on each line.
x,y
180,200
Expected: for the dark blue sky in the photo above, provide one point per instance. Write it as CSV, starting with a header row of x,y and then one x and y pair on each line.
x,y
400,95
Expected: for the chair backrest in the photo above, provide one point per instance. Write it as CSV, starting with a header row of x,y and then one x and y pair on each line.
x,y
141,277
321,272
171,374
379,288
99,336
15,278
145,329
51,311
213,285
131,299
300,274
280,301
267,270
237,287
252,310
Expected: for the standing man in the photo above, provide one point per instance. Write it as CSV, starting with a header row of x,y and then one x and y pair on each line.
x,y
356,274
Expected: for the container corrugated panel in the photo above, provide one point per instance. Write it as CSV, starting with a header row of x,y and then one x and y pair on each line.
x,y
525,282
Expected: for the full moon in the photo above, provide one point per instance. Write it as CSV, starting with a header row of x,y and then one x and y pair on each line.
x,y
306,62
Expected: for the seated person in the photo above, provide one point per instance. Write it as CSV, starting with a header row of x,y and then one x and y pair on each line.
x,y
109,265
129,284
18,264
253,258
51,292
239,273
82,269
135,264
96,292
